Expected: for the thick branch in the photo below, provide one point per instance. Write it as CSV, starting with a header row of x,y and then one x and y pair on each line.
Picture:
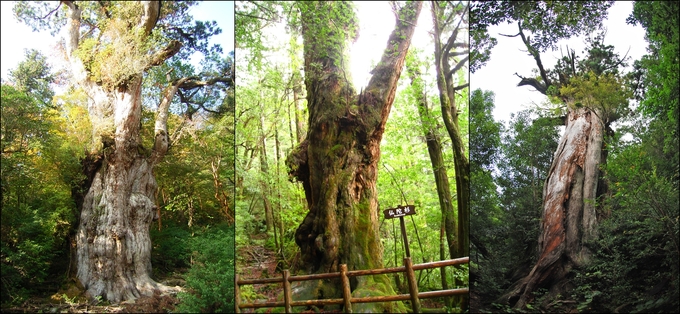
x,y
537,57
383,83
458,53
161,128
458,66
152,11
459,87
72,40
72,28
170,50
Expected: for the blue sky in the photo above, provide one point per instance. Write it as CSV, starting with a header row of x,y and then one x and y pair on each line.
x,y
15,37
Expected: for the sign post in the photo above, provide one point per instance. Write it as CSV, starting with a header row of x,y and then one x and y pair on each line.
x,y
401,211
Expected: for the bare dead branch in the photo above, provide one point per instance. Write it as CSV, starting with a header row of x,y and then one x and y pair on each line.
x,y
50,13
506,35
534,83
460,64
537,58
459,87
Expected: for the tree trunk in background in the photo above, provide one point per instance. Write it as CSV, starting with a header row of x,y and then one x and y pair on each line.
x,y
447,98
337,162
299,122
434,149
569,202
264,168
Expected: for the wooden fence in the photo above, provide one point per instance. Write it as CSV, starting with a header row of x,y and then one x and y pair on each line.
x,y
347,298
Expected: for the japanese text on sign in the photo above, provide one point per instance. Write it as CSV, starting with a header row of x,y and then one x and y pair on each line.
x,y
400,211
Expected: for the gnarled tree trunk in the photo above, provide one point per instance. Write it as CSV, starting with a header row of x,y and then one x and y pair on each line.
x,y
113,246
337,163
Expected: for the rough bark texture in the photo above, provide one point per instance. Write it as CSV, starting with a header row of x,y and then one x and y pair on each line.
x,y
113,246
570,192
337,162
569,216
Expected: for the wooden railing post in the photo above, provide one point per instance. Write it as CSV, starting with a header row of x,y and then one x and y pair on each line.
x,y
237,297
346,292
412,284
347,300
287,298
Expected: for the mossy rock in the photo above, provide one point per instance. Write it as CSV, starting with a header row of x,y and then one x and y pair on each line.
x,y
314,290
72,290
378,307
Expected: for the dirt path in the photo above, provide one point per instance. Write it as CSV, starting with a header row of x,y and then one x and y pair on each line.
x,y
257,262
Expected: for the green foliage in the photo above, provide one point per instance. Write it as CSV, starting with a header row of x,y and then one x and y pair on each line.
x,y
251,19
34,75
36,174
210,281
605,93
547,21
660,66
171,247
485,132
506,206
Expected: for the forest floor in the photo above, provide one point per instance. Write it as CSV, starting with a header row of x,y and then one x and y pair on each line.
x,y
70,299
257,262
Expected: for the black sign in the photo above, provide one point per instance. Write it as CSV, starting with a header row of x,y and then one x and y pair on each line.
x,y
400,211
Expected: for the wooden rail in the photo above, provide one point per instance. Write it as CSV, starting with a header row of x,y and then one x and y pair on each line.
x,y
347,298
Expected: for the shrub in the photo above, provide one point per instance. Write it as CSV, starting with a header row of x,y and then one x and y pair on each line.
x,y
210,281
170,247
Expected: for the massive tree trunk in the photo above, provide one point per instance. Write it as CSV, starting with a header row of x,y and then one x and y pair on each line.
x,y
337,163
113,246
569,200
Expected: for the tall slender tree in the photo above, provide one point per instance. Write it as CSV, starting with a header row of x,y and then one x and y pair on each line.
x,y
451,54
434,148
